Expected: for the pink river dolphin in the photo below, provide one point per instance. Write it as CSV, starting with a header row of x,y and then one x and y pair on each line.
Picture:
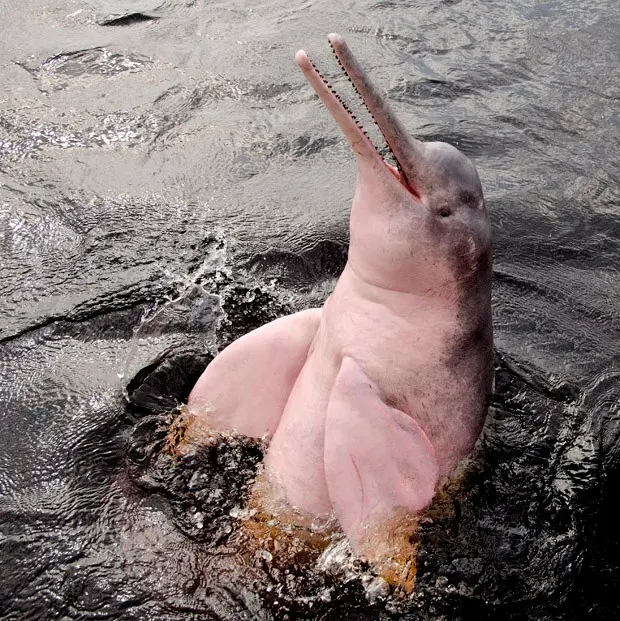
x,y
371,401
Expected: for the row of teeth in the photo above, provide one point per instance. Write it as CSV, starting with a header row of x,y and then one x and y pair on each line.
x,y
344,105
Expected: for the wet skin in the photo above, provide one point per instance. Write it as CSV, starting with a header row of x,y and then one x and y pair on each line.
x,y
374,399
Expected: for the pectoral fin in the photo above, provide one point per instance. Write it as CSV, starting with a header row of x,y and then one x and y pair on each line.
x,y
380,469
247,385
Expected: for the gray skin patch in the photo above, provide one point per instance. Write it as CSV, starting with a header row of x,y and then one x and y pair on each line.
x,y
457,225
458,235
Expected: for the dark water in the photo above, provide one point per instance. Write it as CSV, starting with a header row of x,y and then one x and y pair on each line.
x,y
168,182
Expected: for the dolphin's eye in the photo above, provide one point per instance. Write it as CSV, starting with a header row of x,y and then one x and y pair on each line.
x,y
444,212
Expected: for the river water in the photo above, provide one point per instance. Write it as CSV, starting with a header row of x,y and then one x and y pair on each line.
x,y
168,181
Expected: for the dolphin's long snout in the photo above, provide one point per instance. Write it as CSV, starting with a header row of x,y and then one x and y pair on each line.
x,y
406,149
360,143
408,152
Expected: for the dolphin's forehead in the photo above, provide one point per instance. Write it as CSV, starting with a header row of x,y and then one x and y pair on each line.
x,y
453,168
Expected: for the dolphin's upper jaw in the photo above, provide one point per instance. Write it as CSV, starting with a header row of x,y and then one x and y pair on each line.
x,y
396,140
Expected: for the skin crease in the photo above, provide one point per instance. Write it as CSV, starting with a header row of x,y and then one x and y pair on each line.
x,y
375,398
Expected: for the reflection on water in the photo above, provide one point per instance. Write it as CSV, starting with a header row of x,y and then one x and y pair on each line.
x,y
170,182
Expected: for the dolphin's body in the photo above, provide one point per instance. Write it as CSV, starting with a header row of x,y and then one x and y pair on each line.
x,y
373,400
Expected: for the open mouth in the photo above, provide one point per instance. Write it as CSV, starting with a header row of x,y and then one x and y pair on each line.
x,y
392,131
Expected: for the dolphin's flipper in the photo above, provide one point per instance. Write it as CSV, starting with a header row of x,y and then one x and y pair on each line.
x,y
379,465
246,386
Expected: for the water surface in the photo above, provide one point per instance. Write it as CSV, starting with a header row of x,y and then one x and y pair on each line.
x,y
168,181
